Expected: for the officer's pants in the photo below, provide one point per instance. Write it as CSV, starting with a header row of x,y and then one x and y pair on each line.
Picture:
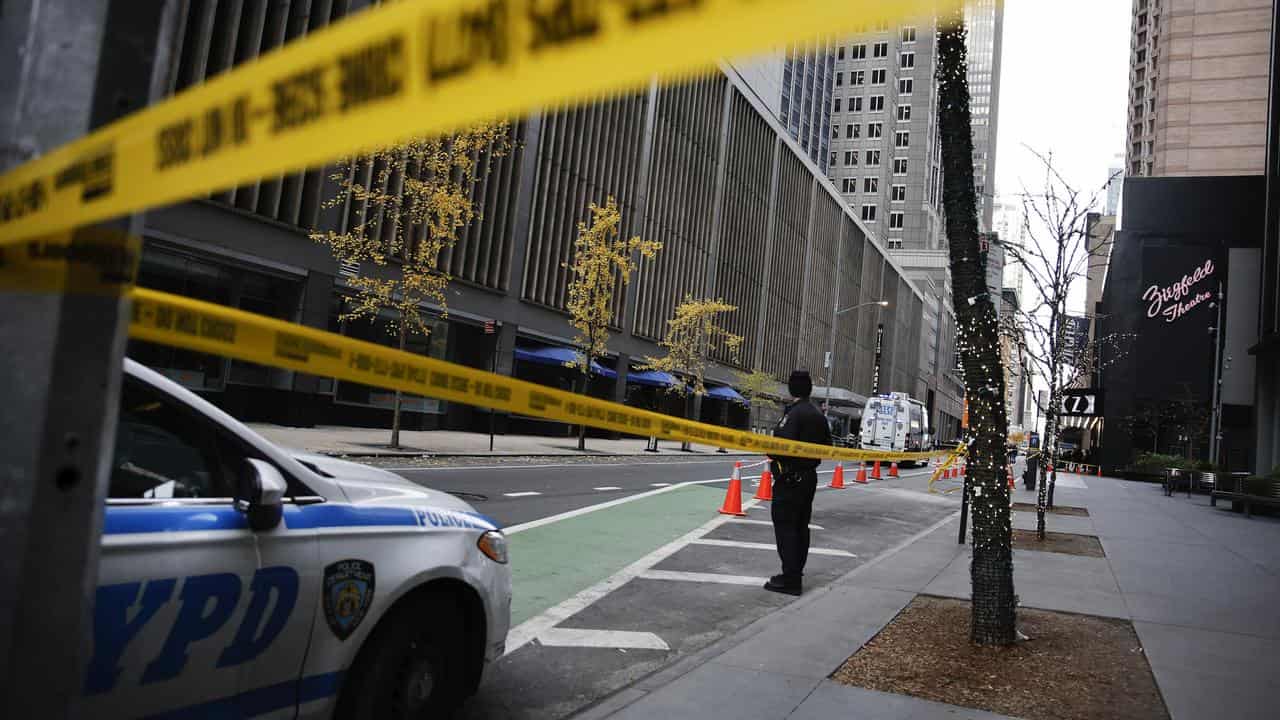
x,y
791,511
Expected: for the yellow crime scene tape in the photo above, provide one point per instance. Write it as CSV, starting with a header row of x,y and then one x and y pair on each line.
x,y
397,71
206,327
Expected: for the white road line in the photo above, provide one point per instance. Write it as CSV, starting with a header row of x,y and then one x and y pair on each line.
x,y
769,546
659,484
574,637
703,577
520,635
608,487
526,493
749,521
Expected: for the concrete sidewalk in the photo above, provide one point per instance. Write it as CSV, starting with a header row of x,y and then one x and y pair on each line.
x,y
1198,583
336,440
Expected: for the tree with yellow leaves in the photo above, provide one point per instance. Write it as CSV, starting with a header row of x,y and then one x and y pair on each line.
x,y
757,387
692,335
407,205
601,258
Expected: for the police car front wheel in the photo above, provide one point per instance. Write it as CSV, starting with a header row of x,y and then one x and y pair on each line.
x,y
410,670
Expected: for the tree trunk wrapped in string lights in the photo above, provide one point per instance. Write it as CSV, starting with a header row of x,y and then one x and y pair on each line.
x,y
991,571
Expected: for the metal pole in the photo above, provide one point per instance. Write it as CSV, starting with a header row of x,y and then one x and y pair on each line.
x,y
1217,382
66,67
831,340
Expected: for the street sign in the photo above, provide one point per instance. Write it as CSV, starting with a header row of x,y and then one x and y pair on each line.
x,y
1033,439
1085,402
826,359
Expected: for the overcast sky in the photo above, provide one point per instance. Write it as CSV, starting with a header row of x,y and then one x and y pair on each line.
x,y
1062,89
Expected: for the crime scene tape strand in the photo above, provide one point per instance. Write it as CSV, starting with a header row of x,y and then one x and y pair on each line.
x,y
398,71
205,327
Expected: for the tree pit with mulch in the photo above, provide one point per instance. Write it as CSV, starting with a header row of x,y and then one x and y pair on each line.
x,y
1055,510
1056,542
1073,667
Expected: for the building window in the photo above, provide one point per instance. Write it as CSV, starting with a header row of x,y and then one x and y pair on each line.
x,y
857,130
907,60
858,52
849,185
877,76
875,130
835,132
855,104
904,112
898,193
837,106
848,130
899,166
902,139
871,185
840,53
877,103
881,50
895,220
895,243
905,86
839,79
857,77
909,34
869,213
873,158
850,157
834,157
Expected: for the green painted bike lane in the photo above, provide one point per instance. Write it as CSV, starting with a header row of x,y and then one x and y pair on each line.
x,y
554,562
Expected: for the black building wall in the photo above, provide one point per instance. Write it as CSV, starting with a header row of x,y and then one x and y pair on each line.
x,y
1162,388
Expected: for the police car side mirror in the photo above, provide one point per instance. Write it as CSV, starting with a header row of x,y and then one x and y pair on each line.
x,y
261,495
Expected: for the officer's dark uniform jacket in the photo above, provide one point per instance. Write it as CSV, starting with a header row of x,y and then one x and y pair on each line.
x,y
795,482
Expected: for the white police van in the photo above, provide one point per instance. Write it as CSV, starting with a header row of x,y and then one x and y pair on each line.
x,y
241,580
895,422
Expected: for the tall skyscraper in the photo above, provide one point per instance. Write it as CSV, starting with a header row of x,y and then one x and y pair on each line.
x,y
1115,183
885,155
1198,77
985,21
805,108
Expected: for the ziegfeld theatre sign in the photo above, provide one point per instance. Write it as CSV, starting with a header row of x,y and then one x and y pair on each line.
x,y
1177,299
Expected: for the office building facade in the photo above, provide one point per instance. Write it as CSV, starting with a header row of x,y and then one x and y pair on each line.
x,y
702,166
1198,81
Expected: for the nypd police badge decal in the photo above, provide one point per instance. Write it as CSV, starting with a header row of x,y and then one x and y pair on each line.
x,y
348,593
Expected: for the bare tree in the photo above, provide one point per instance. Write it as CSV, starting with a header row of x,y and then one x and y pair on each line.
x,y
994,619
1056,256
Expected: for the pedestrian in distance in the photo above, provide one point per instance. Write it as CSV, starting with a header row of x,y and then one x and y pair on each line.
x,y
795,482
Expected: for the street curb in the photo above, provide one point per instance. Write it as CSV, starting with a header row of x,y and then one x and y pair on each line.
x,y
623,697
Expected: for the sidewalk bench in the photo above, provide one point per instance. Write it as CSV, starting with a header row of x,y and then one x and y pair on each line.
x,y
1245,491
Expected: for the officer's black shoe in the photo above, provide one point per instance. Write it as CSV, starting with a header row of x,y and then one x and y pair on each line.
x,y
779,584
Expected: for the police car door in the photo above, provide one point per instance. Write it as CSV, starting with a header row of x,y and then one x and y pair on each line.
x,y
184,605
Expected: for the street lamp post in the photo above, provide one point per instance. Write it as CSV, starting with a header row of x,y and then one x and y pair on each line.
x,y
831,345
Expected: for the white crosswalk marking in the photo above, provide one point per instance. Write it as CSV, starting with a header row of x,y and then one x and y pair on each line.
x,y
749,521
702,577
768,546
576,637
609,487
659,484
526,493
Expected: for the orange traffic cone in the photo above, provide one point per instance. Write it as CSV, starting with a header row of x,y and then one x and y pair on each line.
x,y
862,474
1099,471
733,496
875,471
837,478
765,490
1010,472
893,469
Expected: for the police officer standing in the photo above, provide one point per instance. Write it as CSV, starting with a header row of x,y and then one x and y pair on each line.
x,y
795,481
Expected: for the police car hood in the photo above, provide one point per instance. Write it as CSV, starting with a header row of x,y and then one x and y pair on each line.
x,y
370,485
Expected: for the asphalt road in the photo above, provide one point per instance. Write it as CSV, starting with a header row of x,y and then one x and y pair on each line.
x,y
515,493
622,566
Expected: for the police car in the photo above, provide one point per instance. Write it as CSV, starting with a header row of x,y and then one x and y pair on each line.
x,y
241,580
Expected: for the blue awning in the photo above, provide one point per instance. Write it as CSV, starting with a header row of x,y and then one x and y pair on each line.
x,y
652,378
724,392
559,356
